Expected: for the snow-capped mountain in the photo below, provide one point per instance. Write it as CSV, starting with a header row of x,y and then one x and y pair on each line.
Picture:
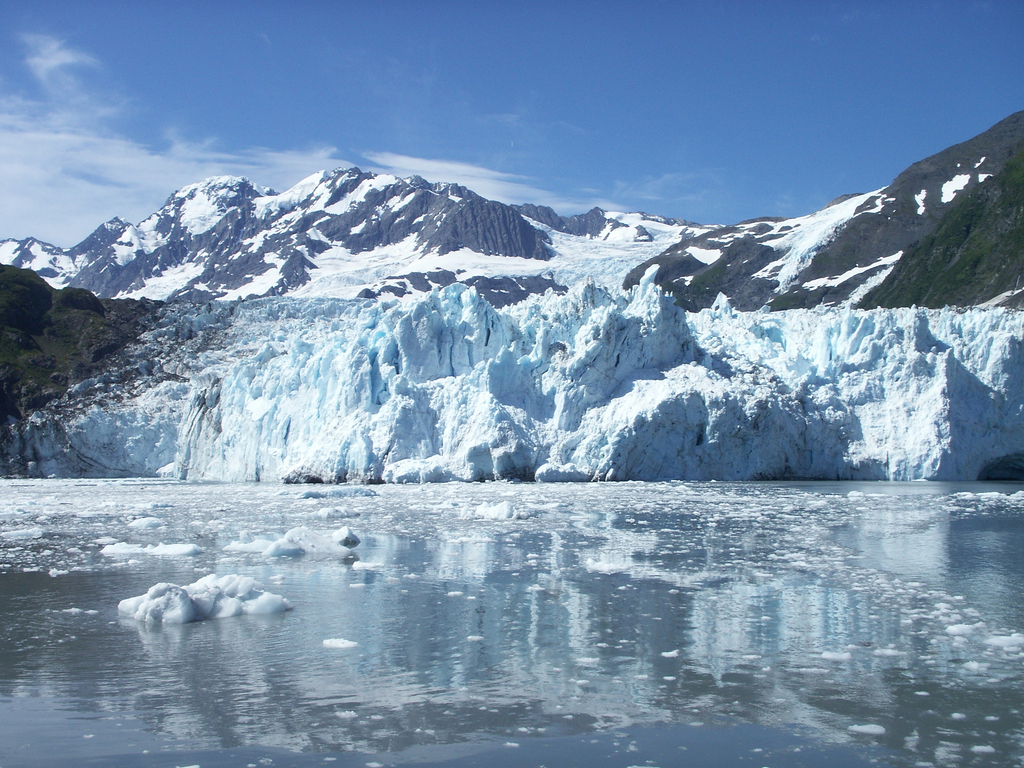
x,y
838,254
349,233
344,234
427,334
53,264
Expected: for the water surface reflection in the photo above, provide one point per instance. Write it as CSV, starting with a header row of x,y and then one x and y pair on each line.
x,y
850,617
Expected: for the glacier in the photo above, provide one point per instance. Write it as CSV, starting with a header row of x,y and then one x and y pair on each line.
x,y
595,384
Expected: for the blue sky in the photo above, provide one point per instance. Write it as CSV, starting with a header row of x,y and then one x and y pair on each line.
x,y
714,112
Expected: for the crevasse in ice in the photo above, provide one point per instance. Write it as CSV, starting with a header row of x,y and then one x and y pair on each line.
x,y
596,384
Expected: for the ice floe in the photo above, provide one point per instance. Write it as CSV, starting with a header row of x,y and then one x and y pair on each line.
x,y
211,597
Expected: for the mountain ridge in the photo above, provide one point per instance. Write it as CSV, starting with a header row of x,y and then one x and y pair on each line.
x,y
348,233
227,238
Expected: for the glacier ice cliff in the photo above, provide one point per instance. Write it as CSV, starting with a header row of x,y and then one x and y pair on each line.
x,y
592,385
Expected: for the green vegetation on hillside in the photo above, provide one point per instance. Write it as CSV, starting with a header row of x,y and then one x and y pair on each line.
x,y
974,254
51,338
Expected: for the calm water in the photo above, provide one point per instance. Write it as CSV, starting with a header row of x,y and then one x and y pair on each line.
x,y
617,625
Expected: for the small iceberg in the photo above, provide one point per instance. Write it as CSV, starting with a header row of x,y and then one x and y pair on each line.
x,y
160,550
501,511
299,542
212,597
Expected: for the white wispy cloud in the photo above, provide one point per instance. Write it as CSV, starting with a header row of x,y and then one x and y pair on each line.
x,y
62,172
50,59
699,191
505,187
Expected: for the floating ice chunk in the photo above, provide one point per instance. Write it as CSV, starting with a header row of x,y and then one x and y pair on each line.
x,y
256,545
604,566
161,550
212,597
339,643
560,473
345,537
837,655
887,652
345,492
960,630
475,638
346,714
670,654
146,522
500,511
974,666
983,749
302,541
23,534
476,539
326,513
869,729
174,550
1006,641
164,602
360,565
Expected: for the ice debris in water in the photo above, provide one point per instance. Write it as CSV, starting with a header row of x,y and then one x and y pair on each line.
x,y
212,597
146,522
325,513
501,511
869,730
961,630
836,655
1006,641
23,534
605,566
301,541
338,493
162,550
339,643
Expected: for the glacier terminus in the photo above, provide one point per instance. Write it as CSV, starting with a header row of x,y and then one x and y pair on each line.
x,y
595,384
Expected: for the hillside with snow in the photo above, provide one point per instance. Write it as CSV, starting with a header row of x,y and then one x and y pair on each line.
x,y
838,255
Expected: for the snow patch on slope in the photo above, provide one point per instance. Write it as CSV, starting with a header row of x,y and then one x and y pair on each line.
x,y
806,236
954,185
